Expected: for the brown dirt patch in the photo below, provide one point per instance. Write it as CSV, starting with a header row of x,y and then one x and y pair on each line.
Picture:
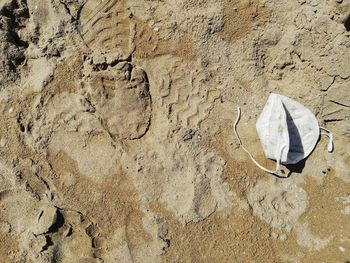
x,y
242,16
109,202
232,239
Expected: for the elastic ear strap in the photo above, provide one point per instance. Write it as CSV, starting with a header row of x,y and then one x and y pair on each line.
x,y
328,133
250,155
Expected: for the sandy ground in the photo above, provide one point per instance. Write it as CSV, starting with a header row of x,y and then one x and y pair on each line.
x,y
116,139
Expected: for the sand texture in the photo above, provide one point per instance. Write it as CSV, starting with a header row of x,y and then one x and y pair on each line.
x,y
116,131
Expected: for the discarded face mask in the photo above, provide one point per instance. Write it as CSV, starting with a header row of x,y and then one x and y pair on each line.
x,y
287,130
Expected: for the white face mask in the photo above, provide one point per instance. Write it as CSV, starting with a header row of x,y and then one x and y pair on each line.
x,y
287,130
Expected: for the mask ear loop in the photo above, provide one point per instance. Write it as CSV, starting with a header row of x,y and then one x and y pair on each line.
x,y
328,133
278,161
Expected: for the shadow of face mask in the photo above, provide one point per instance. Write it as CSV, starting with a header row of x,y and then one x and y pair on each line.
x,y
287,130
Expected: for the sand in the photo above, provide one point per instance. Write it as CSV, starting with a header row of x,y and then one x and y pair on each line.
x,y
116,139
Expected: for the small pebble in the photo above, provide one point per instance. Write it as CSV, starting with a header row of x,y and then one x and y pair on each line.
x,y
2,142
5,227
341,249
347,210
288,228
282,237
